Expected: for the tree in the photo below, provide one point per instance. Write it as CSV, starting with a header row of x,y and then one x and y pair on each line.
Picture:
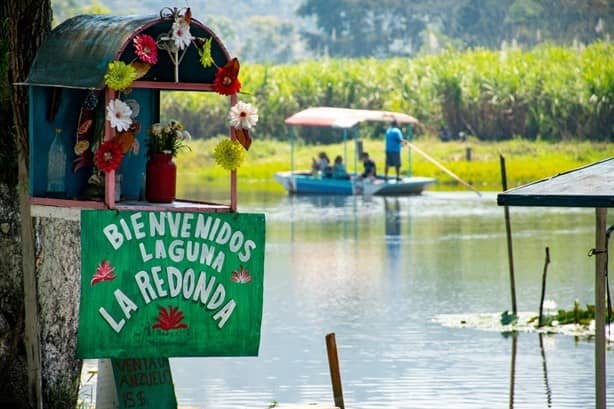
x,y
26,22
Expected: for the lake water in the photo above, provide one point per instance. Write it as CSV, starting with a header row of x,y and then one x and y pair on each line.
x,y
378,272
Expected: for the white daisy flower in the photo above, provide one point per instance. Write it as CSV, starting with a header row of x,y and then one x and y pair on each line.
x,y
119,114
243,115
181,33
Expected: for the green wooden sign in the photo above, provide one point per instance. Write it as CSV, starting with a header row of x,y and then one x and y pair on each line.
x,y
144,383
163,284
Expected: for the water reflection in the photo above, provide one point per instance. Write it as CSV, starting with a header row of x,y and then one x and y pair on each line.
x,y
545,366
514,337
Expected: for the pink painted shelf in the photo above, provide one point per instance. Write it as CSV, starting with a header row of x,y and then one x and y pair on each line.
x,y
176,206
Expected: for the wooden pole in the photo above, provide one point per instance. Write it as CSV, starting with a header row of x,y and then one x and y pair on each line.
x,y
508,231
335,375
541,301
600,267
440,166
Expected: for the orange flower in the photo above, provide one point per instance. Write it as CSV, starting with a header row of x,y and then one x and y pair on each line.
x,y
226,80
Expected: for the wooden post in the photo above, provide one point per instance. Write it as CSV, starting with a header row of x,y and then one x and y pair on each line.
x,y
541,301
600,267
508,230
333,364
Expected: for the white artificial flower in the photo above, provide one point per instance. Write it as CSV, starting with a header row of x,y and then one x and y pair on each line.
x,y
119,114
243,115
185,135
181,33
156,129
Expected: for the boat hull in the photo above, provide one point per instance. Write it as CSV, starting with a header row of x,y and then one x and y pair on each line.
x,y
302,182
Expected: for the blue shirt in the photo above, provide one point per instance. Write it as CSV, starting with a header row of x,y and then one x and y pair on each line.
x,y
394,139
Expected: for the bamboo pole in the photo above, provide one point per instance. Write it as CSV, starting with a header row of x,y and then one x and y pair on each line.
x,y
440,166
541,301
508,230
335,375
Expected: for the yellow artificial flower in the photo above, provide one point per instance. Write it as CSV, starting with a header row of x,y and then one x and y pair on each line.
x,y
229,154
119,75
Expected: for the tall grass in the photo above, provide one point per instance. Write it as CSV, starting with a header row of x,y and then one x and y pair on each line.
x,y
549,93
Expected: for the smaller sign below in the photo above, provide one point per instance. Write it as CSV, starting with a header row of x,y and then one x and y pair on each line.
x,y
144,383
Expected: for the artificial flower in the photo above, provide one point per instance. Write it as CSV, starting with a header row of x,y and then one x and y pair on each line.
x,y
243,115
119,114
206,60
181,33
119,75
229,154
145,48
226,80
109,156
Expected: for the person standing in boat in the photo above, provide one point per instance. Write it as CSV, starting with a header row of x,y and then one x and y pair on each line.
x,y
394,143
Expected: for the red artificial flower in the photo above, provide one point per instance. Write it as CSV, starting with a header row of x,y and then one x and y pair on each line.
x,y
169,319
146,48
109,156
226,80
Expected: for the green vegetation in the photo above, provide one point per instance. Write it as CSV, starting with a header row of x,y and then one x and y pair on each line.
x,y
526,161
550,93
577,315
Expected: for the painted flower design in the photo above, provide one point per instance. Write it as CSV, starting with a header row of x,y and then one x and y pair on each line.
x,y
119,75
104,272
226,81
145,48
108,156
206,60
181,33
229,154
169,319
119,114
242,276
243,115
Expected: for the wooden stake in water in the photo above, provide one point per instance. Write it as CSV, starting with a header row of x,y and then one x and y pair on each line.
x,y
508,230
541,302
335,375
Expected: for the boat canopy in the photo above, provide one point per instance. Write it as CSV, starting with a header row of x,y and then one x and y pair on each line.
x,y
345,118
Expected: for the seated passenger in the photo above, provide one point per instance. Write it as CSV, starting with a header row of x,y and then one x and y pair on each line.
x,y
339,170
370,170
321,166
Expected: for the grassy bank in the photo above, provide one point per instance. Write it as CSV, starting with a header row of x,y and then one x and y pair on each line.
x,y
526,161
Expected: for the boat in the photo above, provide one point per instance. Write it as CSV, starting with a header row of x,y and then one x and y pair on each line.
x,y
306,182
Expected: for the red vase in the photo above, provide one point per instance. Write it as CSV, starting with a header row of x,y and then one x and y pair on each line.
x,y
160,178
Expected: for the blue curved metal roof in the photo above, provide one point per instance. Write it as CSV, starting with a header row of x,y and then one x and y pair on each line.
x,y
76,53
